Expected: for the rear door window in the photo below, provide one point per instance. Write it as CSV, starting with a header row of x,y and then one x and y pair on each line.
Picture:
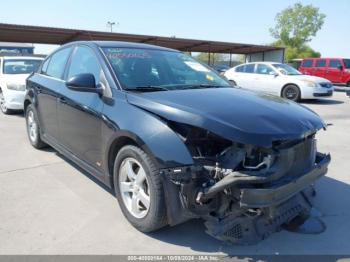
x,y
58,63
334,63
321,63
307,63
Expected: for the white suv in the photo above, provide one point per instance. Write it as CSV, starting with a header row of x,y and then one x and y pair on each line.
x,y
14,71
279,79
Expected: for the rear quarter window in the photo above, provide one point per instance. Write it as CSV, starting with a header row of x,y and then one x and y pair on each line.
x,y
239,69
307,63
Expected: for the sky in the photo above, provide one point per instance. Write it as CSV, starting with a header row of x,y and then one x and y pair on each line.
x,y
221,20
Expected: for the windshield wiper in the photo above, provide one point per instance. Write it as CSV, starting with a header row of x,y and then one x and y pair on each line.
x,y
148,88
203,86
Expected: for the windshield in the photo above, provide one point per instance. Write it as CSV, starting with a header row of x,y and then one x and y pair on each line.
x,y
347,63
286,69
166,70
21,66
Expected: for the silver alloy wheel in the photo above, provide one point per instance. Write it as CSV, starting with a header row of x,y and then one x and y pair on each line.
x,y
32,126
2,102
134,187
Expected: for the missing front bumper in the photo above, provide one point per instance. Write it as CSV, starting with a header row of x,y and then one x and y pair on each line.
x,y
263,197
242,212
272,206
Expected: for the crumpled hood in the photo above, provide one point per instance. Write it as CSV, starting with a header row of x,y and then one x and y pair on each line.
x,y
234,114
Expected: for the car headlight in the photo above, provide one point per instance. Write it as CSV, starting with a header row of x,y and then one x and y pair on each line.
x,y
309,83
17,87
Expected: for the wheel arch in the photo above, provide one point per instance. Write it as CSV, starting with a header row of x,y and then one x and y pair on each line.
x,y
165,149
27,102
124,138
233,81
28,99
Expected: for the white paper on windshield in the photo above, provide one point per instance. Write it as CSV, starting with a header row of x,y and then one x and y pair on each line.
x,y
197,66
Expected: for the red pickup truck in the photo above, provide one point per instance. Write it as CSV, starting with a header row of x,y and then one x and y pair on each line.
x,y
336,70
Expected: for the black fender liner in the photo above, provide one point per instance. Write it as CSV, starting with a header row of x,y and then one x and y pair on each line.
x,y
176,211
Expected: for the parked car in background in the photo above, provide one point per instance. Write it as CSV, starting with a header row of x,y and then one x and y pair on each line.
x,y
336,70
175,140
14,71
220,68
280,80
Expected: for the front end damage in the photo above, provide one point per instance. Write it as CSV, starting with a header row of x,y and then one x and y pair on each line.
x,y
243,192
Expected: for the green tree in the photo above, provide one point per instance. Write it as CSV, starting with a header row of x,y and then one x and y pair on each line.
x,y
295,27
297,52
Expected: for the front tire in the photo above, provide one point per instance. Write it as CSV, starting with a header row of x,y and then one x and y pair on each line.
x,y
291,92
139,189
33,128
233,83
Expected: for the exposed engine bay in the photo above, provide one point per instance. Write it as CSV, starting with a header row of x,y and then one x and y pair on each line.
x,y
245,192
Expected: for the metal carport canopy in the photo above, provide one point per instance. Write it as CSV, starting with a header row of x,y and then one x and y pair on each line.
x,y
51,35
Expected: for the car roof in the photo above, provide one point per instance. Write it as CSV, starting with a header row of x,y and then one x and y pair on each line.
x,y
22,58
258,62
122,44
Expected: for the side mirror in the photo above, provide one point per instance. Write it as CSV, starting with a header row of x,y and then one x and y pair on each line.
x,y
273,73
84,83
340,67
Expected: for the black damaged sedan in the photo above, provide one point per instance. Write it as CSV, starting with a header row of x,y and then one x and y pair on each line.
x,y
175,140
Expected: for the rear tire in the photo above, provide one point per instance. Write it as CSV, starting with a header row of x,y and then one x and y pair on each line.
x,y
348,84
3,106
139,189
33,128
291,92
